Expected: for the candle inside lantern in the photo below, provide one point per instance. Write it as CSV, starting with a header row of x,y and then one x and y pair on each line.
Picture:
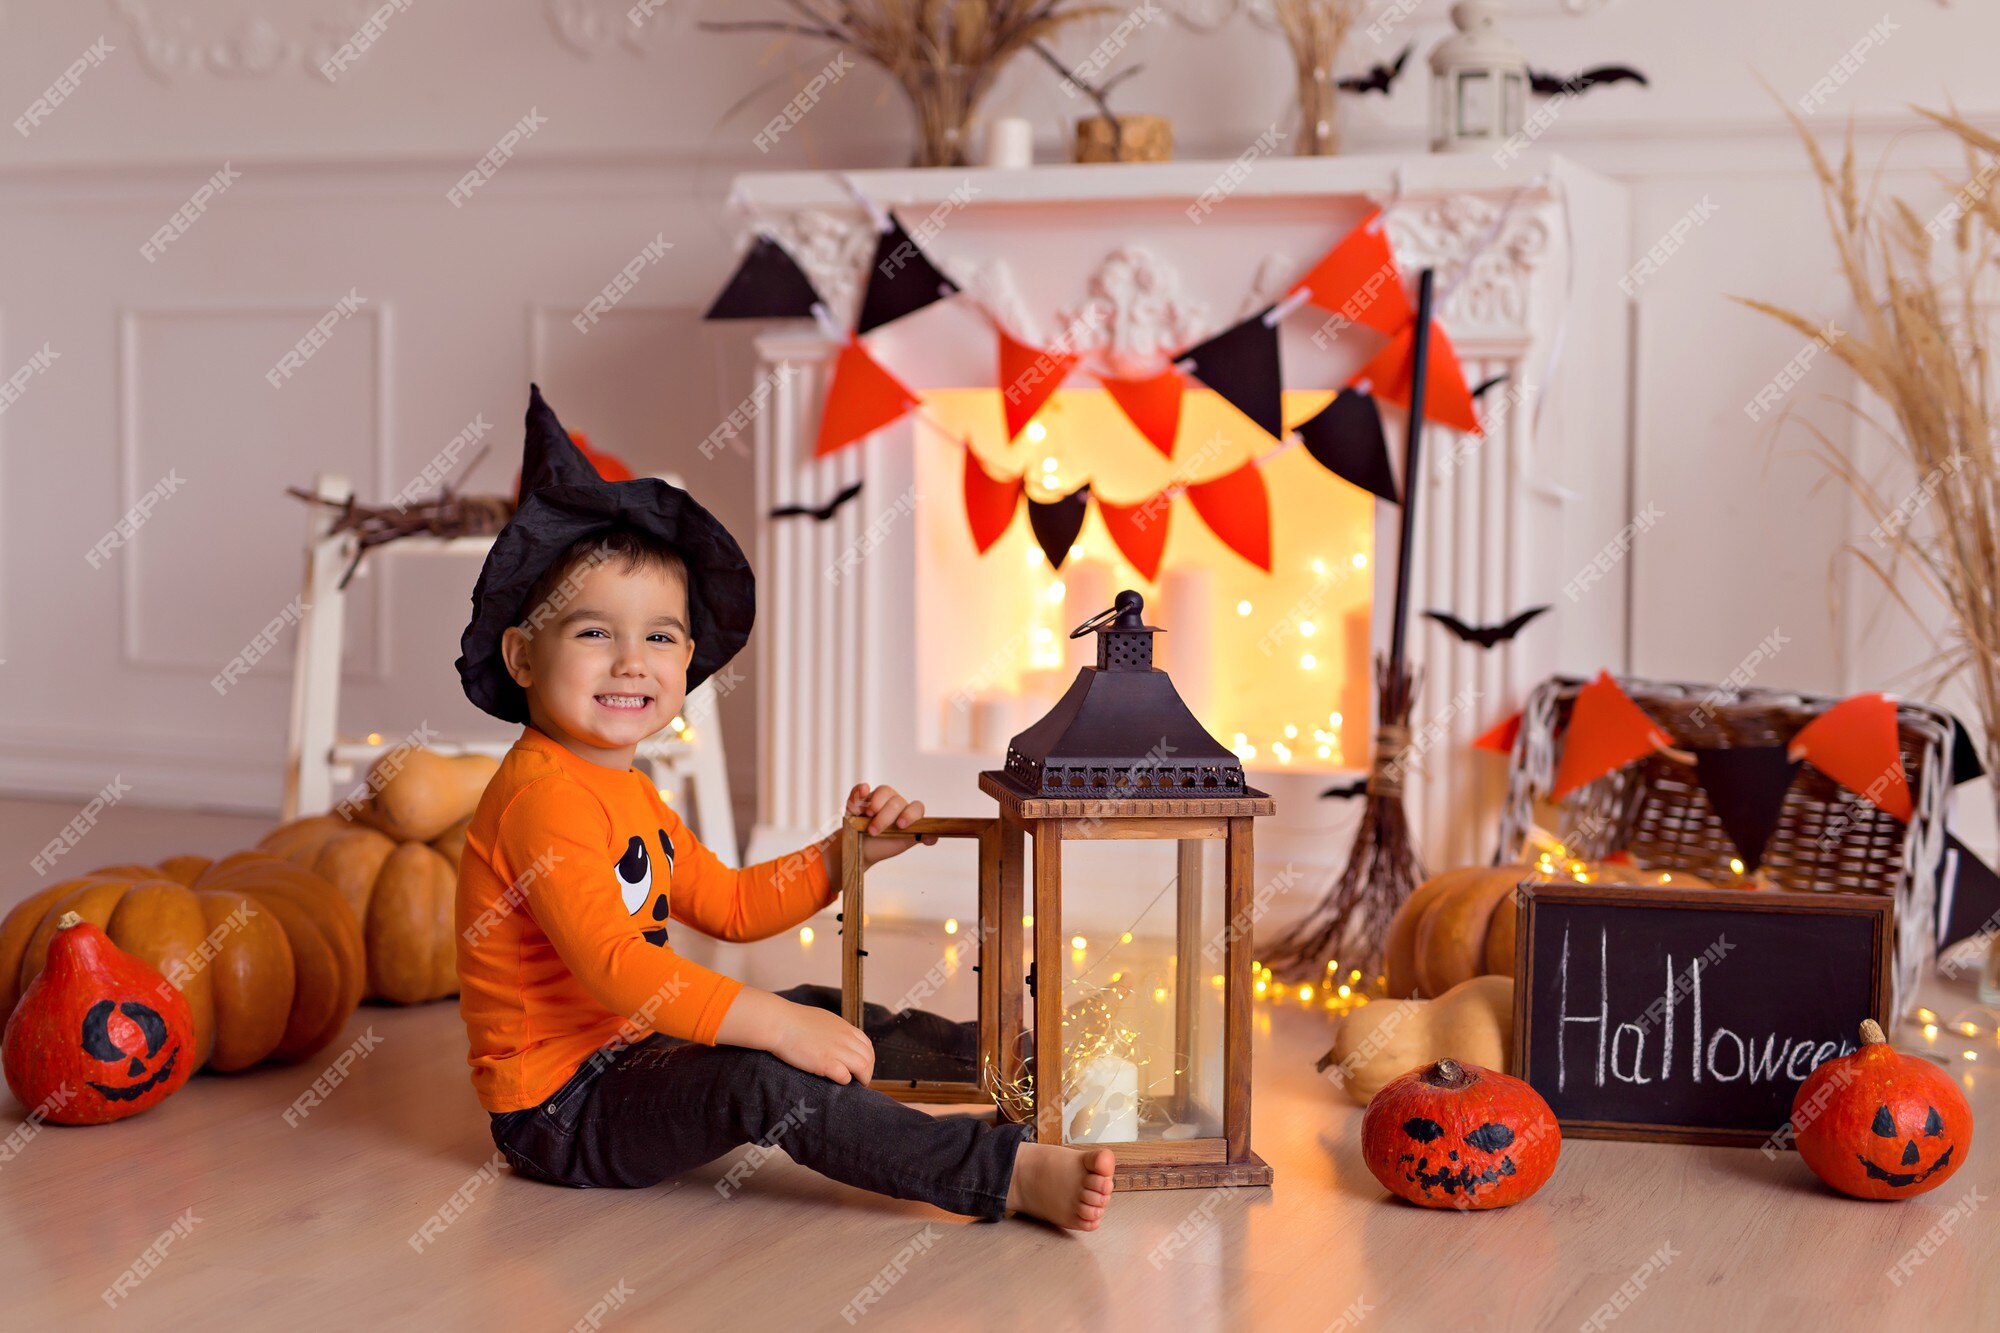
x,y
1104,1107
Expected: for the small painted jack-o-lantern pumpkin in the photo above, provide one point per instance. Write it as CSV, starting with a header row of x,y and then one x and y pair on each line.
x,y
1452,1135
98,1035
1879,1124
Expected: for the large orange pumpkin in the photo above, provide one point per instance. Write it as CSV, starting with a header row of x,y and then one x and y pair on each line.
x,y
267,953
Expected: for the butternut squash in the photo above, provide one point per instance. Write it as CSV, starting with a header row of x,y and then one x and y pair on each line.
x,y
1472,1023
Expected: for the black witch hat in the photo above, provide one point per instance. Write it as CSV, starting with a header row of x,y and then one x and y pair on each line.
x,y
563,499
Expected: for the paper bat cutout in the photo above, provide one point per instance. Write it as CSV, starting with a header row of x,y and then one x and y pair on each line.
x,y
1345,790
822,512
1484,385
1378,78
1486,635
1548,85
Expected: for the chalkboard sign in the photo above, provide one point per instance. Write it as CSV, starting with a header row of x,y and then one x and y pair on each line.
x,y
1689,1014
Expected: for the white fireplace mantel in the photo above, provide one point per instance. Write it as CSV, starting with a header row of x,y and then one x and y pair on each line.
x,y
1502,524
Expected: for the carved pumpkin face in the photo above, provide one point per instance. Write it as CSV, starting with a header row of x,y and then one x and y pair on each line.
x,y
1453,1135
129,1036
1878,1124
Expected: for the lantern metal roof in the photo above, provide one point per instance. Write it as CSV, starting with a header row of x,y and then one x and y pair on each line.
x,y
1121,730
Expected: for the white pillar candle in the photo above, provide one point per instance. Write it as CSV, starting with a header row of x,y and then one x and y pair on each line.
x,y
1187,615
1010,142
993,722
1104,1108
1086,591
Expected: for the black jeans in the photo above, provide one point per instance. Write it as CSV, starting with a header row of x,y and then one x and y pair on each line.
x,y
636,1115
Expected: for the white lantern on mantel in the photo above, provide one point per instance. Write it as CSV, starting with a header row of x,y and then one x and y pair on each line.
x,y
1479,82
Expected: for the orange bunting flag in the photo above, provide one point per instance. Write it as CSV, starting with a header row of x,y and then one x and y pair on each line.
x,y
1447,399
990,502
1358,280
1153,404
1606,731
1139,531
1500,738
1028,375
861,399
1237,509
1855,743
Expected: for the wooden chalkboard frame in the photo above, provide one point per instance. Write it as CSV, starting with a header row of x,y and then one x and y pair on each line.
x,y
1532,893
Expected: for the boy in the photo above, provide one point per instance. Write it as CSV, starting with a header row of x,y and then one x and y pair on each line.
x,y
603,1057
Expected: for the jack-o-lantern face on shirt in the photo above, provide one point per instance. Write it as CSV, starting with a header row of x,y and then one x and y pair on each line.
x,y
644,887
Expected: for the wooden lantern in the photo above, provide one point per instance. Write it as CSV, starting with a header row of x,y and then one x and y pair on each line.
x,y
1119,757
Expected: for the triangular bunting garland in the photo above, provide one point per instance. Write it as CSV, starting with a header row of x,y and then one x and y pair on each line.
x,y
1358,279
1345,437
1028,375
1746,786
1139,531
990,502
1854,743
1970,902
1965,762
1499,738
1152,404
1241,364
861,398
768,284
1447,400
901,280
1237,509
1056,523
1606,731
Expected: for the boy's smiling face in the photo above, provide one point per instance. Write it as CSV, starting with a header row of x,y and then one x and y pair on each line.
x,y
610,668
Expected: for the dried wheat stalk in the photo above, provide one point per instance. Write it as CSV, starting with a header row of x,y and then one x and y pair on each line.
x,y
1922,346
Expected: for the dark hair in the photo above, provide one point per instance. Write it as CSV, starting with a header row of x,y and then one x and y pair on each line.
x,y
636,548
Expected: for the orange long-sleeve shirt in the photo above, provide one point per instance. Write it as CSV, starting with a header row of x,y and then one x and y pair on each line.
x,y
570,874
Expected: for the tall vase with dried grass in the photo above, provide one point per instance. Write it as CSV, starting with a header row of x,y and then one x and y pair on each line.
x,y
1316,30
945,57
1923,345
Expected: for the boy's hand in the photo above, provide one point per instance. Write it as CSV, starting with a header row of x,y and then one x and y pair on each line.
x,y
821,1042
889,810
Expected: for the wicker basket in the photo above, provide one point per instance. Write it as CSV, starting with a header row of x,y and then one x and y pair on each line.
x,y
1827,840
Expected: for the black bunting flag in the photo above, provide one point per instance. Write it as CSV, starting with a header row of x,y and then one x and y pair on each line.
x,y
1971,901
1241,364
1746,786
901,280
768,284
1055,523
1345,437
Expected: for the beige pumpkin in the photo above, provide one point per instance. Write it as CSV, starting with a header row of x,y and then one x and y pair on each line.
x,y
417,795
1472,1023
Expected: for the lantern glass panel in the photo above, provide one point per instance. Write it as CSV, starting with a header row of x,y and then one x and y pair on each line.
x,y
1142,1038
912,963
1478,104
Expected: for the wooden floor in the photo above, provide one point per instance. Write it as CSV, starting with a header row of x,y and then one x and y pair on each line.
x,y
311,1225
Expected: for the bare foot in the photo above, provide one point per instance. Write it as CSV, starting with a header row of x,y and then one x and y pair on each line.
x,y
1067,1186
